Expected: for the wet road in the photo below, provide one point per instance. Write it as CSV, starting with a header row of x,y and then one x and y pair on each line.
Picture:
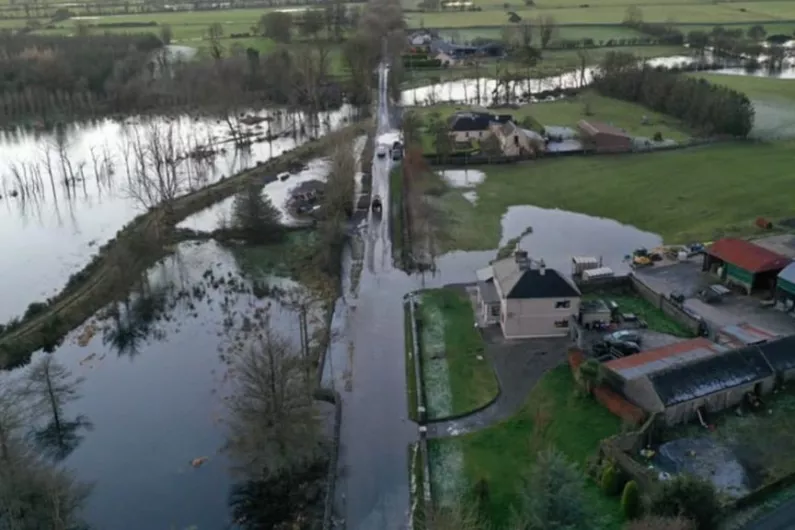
x,y
368,369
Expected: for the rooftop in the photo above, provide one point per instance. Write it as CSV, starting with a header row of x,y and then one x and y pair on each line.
x,y
788,273
595,127
710,374
780,353
747,255
531,281
745,334
660,359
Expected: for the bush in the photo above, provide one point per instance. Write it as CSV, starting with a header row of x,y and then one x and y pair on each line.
x,y
610,481
630,500
658,137
34,309
690,497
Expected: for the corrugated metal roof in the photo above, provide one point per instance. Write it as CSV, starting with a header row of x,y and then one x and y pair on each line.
x,y
585,260
596,127
746,255
659,359
600,272
746,334
780,353
788,273
711,374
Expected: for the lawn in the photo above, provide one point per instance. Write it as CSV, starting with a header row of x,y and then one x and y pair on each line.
x,y
755,87
597,33
634,303
456,376
411,379
697,194
614,14
502,455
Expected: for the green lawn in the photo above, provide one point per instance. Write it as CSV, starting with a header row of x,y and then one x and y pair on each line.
x,y
705,13
456,375
634,303
696,194
595,32
755,87
411,379
502,455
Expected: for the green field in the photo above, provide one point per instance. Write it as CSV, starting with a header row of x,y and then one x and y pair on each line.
x,y
597,33
755,87
502,455
457,378
694,194
614,14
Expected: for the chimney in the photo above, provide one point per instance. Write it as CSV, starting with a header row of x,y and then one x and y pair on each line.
x,y
522,259
542,267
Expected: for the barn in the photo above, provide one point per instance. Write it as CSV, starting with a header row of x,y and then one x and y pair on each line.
x,y
744,264
679,379
603,138
780,354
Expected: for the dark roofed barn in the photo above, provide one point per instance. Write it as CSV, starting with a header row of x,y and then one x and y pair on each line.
x,y
742,263
603,138
780,354
712,384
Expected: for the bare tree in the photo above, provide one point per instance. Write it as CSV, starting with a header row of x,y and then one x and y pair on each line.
x,y
546,29
50,387
273,424
12,416
156,158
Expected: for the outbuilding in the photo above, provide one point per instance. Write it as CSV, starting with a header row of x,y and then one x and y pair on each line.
x,y
603,138
742,263
744,334
785,283
780,354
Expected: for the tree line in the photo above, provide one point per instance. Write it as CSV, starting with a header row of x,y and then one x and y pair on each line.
x,y
712,109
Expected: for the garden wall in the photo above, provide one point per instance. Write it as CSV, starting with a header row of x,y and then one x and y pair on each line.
x,y
658,300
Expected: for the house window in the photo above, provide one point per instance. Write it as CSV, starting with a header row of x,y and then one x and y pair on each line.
x,y
563,304
562,323
495,310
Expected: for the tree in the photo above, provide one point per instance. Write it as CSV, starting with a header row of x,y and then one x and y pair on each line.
x,y
166,33
757,33
590,373
698,40
553,496
156,156
460,516
687,496
273,424
35,494
12,416
276,25
633,16
214,34
254,215
546,29
312,22
50,387
653,522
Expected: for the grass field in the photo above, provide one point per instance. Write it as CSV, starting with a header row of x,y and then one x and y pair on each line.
x,y
694,194
456,376
411,379
502,455
710,14
597,33
755,87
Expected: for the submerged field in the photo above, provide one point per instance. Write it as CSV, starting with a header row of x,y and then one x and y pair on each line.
x,y
503,455
693,194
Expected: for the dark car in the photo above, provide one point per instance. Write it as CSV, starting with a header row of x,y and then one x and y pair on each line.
x,y
621,348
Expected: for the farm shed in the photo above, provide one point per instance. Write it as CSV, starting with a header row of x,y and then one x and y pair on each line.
x,y
712,384
631,375
603,138
740,262
785,283
780,354
743,334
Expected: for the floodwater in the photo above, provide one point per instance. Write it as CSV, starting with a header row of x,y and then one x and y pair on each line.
x,y
558,235
51,229
153,394
464,179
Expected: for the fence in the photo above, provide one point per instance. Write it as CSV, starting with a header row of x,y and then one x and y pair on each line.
x,y
618,448
658,300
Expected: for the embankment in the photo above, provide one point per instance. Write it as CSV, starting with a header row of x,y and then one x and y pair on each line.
x,y
136,247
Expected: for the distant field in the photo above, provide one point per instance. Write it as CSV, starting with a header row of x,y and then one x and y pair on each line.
x,y
755,87
597,33
710,14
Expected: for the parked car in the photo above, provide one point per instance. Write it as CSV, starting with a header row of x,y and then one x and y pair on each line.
x,y
622,348
624,335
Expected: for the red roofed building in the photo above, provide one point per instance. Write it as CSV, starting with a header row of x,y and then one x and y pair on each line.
x,y
743,263
603,138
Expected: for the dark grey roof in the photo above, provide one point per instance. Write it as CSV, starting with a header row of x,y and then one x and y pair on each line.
x,y
533,284
488,293
780,353
471,121
709,375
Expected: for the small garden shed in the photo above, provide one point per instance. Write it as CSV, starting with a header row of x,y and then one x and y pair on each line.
x,y
742,263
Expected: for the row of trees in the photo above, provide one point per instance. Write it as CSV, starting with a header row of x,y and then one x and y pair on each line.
x,y
712,109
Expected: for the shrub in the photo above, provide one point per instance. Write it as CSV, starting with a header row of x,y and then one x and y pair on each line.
x,y
34,309
690,497
658,137
610,480
630,500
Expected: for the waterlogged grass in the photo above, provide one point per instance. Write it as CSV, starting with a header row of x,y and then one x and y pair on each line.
x,y
446,463
697,194
411,379
471,380
435,373
416,487
502,455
